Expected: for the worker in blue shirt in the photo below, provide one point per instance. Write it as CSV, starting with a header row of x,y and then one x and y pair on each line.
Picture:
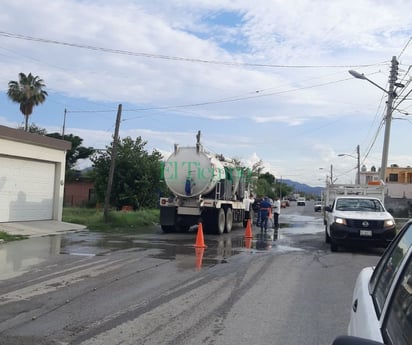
x,y
265,208
256,209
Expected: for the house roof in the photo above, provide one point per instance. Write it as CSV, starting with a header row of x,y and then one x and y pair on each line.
x,y
34,138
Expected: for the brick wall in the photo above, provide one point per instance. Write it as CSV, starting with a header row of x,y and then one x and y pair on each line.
x,y
78,193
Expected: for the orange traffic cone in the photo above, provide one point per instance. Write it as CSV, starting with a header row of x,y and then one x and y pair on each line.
x,y
248,242
248,233
199,257
200,242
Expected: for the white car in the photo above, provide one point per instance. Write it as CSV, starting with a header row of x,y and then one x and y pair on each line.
x,y
382,299
318,206
301,201
358,220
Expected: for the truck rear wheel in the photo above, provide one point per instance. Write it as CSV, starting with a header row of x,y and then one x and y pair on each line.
x,y
229,220
220,221
182,228
214,221
168,229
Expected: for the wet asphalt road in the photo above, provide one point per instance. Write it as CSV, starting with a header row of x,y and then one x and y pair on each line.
x,y
89,288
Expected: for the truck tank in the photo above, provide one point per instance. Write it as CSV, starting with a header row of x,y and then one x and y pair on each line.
x,y
190,171
207,188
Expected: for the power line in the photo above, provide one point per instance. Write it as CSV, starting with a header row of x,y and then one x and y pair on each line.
x,y
404,48
226,100
174,58
373,140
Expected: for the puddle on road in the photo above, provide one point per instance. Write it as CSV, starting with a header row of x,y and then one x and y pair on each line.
x,y
18,257
299,225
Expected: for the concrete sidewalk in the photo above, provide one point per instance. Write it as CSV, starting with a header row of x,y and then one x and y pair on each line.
x,y
40,228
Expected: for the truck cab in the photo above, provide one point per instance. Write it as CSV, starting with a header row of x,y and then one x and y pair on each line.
x,y
356,220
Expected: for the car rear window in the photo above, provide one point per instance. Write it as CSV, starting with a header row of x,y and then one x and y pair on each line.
x,y
387,267
397,328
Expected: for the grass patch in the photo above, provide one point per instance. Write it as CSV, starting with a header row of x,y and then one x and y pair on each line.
x,y
119,221
7,237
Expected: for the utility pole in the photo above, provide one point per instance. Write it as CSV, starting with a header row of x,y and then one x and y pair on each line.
x,y
280,189
391,96
112,165
64,122
358,175
331,174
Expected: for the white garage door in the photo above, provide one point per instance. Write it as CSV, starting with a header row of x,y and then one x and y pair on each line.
x,y
26,190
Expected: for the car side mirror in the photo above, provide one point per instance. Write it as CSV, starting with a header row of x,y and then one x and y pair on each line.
x,y
328,209
349,340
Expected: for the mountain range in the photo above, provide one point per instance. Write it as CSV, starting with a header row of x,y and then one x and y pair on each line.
x,y
303,188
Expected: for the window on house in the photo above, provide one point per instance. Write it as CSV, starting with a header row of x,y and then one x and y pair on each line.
x,y
393,177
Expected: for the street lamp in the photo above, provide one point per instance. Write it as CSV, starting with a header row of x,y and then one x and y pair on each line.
x,y
358,159
329,178
358,75
388,118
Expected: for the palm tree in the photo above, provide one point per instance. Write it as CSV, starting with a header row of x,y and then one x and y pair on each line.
x,y
28,93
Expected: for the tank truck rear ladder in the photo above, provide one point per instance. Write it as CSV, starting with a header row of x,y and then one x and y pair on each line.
x,y
217,191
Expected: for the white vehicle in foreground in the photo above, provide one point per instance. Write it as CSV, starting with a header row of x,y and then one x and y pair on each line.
x,y
382,298
358,220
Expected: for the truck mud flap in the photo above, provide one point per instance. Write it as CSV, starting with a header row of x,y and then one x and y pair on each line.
x,y
167,216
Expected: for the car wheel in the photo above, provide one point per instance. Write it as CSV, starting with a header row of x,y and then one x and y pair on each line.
x,y
327,238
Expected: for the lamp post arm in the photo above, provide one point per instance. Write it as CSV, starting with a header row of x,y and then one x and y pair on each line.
x,y
345,154
358,75
378,86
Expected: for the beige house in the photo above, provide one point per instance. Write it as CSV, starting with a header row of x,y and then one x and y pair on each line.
x,y
32,171
398,180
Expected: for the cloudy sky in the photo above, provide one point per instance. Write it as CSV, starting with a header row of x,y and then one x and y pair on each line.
x,y
263,79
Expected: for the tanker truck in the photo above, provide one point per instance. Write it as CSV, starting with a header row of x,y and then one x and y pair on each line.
x,y
205,188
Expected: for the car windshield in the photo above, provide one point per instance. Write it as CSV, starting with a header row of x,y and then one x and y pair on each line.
x,y
357,204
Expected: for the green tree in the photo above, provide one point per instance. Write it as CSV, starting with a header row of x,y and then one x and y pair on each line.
x,y
33,128
266,185
28,92
263,188
282,189
257,168
268,177
136,179
76,152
